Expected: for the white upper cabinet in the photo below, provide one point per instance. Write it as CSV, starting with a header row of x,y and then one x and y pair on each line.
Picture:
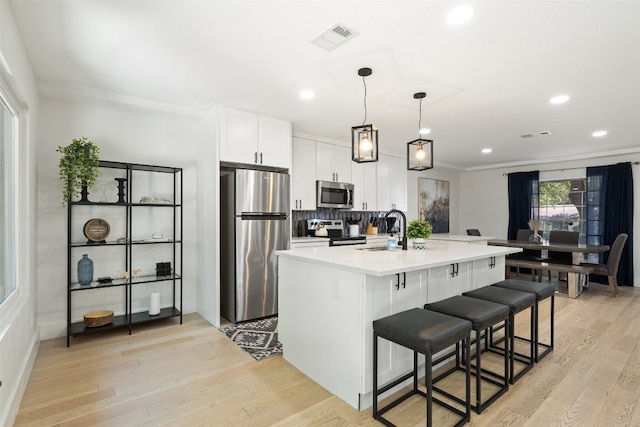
x,y
303,175
333,162
392,183
252,139
398,195
363,177
384,182
274,142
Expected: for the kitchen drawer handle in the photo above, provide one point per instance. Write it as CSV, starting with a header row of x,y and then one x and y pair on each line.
x,y
454,270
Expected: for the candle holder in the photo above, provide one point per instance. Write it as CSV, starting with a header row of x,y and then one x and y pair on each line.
x,y
121,188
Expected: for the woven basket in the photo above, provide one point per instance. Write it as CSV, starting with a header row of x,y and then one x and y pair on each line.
x,y
98,318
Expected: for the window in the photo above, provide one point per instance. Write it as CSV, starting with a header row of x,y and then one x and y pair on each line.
x,y
8,190
562,206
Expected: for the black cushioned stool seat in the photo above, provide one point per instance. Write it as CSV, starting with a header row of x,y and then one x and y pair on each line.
x,y
542,291
482,315
517,301
424,332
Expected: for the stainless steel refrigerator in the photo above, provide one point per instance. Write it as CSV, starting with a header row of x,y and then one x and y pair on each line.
x,y
254,224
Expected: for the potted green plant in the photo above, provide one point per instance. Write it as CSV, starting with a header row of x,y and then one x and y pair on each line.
x,y
419,230
78,168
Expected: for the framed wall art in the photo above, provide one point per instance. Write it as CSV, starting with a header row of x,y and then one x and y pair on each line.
x,y
433,203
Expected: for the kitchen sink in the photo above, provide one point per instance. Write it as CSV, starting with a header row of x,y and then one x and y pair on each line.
x,y
374,248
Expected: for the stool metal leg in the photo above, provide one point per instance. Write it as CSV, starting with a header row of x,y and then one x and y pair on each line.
x,y
428,382
375,375
547,347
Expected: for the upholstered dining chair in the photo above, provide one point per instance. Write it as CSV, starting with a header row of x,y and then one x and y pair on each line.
x,y
473,232
610,269
558,236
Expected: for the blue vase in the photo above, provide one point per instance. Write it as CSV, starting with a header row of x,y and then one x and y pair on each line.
x,y
85,270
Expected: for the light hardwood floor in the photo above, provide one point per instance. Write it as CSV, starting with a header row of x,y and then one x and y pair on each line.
x,y
192,375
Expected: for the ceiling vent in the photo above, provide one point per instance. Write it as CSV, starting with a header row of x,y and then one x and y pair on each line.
x,y
532,135
334,36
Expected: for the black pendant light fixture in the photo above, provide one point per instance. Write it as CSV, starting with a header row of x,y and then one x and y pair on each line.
x,y
364,139
420,151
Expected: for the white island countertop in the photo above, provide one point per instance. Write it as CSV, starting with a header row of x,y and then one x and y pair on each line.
x,y
462,238
357,258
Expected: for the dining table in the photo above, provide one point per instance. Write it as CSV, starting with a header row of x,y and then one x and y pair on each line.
x,y
576,250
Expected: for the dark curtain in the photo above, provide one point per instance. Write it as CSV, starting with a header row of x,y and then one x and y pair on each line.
x,y
610,212
523,200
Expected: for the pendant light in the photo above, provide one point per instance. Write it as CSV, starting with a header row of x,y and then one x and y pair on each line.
x,y
364,139
420,151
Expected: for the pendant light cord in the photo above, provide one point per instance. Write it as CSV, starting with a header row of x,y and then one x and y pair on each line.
x,y
365,100
420,118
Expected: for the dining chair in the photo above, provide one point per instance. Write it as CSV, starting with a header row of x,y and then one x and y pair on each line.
x,y
610,269
559,236
473,232
526,254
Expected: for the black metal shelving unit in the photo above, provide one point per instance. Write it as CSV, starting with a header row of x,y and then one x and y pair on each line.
x,y
129,318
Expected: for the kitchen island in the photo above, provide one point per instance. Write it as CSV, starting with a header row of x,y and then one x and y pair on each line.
x,y
329,297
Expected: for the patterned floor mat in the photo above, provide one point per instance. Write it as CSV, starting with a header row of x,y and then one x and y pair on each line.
x,y
258,338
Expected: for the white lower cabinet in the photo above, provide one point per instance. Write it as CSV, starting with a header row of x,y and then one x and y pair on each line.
x,y
488,271
309,243
386,296
448,280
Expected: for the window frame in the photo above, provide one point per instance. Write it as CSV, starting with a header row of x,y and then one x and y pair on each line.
x,y
10,199
581,221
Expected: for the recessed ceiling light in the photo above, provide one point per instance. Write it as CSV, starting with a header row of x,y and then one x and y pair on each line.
x,y
599,133
460,14
486,150
307,94
425,131
559,99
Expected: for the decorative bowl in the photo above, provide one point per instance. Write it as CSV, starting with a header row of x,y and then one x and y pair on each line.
x,y
98,318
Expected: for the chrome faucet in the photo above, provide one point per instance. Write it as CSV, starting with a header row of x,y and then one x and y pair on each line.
x,y
402,242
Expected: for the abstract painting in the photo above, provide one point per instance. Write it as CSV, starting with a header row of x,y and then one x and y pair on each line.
x,y
433,203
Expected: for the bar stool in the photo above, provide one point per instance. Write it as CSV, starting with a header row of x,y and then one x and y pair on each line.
x,y
542,291
482,315
425,332
516,301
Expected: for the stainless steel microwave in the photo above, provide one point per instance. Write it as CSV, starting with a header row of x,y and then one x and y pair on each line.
x,y
334,195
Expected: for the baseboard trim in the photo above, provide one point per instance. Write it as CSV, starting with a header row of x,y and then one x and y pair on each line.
x,y
25,372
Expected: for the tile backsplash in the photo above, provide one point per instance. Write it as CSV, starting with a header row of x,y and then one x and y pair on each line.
x,y
363,216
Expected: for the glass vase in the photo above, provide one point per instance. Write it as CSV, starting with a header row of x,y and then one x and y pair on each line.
x,y
535,238
85,270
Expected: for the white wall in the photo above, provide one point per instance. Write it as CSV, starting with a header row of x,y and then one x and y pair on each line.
x,y
484,198
208,243
18,330
146,137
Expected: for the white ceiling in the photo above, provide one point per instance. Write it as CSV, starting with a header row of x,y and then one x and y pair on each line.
x,y
487,81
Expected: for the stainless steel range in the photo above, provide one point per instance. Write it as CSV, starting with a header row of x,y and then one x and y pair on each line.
x,y
335,232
